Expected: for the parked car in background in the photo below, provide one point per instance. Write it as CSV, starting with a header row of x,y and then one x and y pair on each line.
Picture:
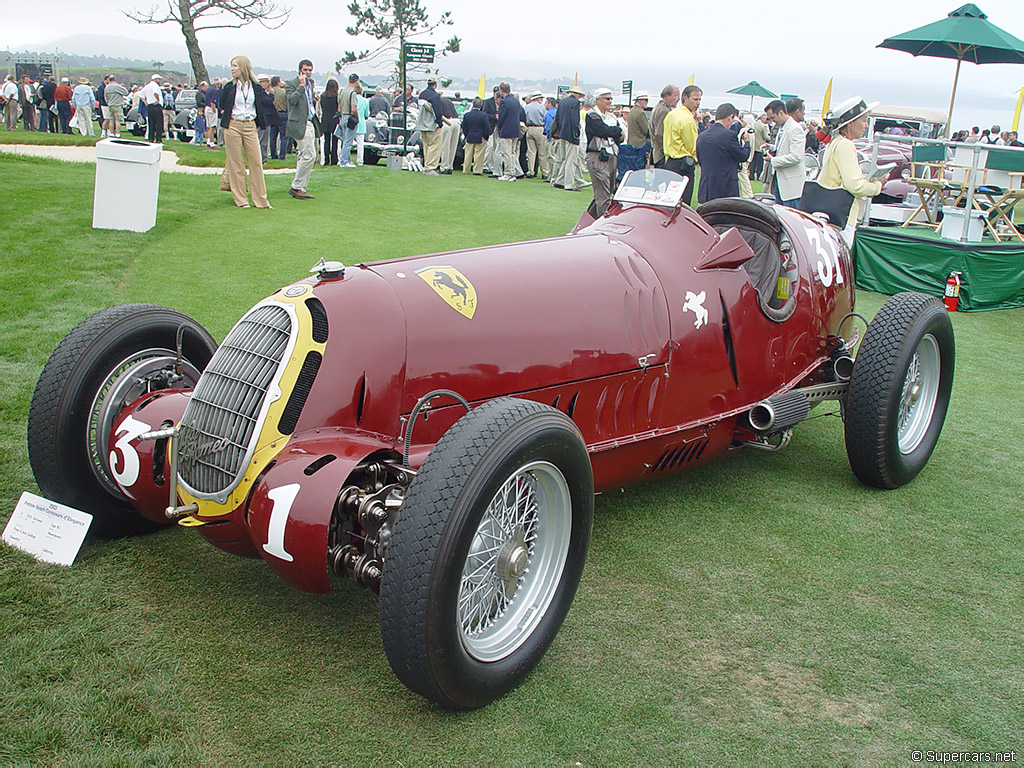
x,y
185,107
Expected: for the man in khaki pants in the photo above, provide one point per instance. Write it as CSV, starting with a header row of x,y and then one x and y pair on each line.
x,y
9,91
303,127
536,141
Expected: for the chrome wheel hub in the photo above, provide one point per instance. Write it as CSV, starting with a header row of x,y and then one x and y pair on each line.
x,y
515,561
128,380
919,395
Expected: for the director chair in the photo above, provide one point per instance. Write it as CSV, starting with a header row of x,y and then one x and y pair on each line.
x,y
928,176
997,200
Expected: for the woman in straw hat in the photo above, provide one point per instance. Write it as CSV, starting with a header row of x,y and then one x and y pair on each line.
x,y
840,167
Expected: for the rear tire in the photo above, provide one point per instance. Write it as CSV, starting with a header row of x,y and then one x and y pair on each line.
x,y
487,553
85,384
900,390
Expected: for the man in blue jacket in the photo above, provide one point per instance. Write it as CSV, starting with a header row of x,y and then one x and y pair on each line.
x,y
509,115
719,154
477,127
565,132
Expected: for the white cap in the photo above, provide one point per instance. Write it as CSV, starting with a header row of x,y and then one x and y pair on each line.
x,y
600,92
262,76
641,95
156,77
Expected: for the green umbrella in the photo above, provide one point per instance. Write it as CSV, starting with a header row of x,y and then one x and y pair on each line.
x,y
965,35
752,89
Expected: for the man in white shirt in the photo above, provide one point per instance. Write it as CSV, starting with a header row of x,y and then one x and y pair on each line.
x,y
82,99
787,158
9,91
153,99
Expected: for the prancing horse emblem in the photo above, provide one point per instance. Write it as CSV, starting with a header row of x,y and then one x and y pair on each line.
x,y
452,286
695,303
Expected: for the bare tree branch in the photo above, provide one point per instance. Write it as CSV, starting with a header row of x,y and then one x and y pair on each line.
x,y
197,15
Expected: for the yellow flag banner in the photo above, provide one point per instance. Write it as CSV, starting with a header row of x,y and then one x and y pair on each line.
x,y
575,78
828,99
691,78
480,92
1016,112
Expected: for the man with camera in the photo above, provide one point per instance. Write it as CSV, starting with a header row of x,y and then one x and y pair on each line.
x,y
604,134
720,155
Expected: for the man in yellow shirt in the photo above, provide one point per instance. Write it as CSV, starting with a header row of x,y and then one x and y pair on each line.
x,y
680,141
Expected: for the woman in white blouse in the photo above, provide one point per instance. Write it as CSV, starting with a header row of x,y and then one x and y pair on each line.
x,y
242,111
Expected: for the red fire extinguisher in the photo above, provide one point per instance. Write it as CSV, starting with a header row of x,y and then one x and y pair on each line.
x,y
952,299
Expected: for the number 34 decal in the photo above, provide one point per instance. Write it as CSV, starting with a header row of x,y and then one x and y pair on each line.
x,y
828,267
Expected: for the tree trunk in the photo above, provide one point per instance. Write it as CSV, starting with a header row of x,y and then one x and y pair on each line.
x,y
195,55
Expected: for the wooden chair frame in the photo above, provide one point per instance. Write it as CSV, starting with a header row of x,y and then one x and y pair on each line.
x,y
928,176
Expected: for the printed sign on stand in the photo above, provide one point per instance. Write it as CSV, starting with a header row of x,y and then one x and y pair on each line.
x,y
48,531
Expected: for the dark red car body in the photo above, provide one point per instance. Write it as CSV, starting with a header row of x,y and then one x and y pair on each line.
x,y
436,427
593,324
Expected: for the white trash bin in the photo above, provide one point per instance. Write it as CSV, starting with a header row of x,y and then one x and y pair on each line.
x,y
953,224
127,185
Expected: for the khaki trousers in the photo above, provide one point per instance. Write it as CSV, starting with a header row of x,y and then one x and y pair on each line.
x,y
602,179
536,150
83,119
11,114
492,155
557,154
241,137
450,143
744,179
305,155
431,149
473,162
509,163
572,167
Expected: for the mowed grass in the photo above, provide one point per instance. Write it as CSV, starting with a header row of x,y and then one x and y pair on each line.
x,y
763,610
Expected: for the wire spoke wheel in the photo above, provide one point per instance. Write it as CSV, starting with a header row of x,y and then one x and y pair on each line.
x,y
919,395
101,366
487,552
900,390
515,561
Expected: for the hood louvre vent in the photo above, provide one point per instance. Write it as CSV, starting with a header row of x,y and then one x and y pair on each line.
x,y
680,455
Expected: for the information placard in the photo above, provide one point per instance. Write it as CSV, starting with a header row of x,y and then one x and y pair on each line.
x,y
419,53
49,531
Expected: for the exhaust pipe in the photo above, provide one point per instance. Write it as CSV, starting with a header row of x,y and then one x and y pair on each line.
x,y
843,368
779,412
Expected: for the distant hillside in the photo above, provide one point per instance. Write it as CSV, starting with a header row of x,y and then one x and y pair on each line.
x,y
135,70
89,66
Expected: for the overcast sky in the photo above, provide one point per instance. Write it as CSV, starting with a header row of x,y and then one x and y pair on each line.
x,y
788,46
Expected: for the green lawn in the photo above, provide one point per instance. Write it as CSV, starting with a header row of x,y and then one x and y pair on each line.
x,y
763,610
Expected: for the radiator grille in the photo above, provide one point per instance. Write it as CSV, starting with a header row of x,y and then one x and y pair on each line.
x,y
221,421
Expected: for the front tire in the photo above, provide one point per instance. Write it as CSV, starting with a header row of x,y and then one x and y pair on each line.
x,y
105,362
487,553
900,390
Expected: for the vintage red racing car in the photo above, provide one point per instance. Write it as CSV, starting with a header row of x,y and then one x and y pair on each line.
x,y
436,427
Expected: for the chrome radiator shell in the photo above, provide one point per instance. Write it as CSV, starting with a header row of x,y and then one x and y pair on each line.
x,y
221,426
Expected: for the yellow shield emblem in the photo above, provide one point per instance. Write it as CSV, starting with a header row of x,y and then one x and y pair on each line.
x,y
452,286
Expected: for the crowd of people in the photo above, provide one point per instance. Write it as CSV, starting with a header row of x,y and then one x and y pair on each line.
x,y
50,106
508,137
993,135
